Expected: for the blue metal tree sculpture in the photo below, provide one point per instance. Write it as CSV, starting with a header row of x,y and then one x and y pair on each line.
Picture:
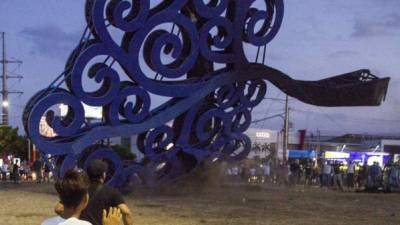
x,y
191,53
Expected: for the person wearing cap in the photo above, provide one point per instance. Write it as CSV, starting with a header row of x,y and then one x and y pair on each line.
x,y
101,196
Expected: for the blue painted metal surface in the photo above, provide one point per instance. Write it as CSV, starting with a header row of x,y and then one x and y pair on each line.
x,y
208,109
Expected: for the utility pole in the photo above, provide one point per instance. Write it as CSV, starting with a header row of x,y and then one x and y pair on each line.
x,y
318,144
4,91
286,129
29,150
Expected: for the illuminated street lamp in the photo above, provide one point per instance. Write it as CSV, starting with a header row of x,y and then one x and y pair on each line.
x,y
5,104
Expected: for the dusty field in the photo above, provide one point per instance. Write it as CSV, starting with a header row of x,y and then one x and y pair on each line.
x,y
29,204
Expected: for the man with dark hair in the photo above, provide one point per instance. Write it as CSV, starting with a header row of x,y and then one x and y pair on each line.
x,y
73,193
101,196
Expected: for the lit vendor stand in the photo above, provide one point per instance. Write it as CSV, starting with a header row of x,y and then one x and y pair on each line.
x,y
336,156
382,158
304,156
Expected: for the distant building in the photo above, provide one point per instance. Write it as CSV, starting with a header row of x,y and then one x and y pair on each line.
x,y
272,141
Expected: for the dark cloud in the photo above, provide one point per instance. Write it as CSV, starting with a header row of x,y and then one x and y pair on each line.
x,y
379,26
51,41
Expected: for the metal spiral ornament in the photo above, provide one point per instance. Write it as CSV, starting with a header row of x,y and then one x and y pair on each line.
x,y
171,50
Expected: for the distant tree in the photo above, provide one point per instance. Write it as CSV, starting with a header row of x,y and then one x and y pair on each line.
x,y
12,143
256,146
124,152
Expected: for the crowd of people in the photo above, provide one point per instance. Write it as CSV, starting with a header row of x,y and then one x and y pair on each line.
x,y
17,171
329,174
85,200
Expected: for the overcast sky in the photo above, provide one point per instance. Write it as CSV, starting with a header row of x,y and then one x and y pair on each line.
x,y
317,39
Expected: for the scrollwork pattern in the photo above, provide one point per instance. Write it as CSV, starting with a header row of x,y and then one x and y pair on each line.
x,y
205,116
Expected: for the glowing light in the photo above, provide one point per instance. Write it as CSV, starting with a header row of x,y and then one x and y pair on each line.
x,y
378,153
90,111
336,155
161,165
263,135
371,160
5,104
169,146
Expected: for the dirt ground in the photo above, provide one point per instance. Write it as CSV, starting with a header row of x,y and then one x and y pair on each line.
x,y
29,204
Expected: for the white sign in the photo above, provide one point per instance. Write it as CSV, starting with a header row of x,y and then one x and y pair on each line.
x,y
263,135
336,155
90,111
44,129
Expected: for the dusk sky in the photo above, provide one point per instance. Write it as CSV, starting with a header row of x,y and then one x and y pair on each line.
x,y
318,39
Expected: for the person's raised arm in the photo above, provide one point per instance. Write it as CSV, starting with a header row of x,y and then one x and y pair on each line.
x,y
126,214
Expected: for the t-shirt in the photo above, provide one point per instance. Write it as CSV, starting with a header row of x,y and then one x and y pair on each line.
x,y
267,169
327,169
53,220
336,168
351,168
294,167
4,168
15,168
61,221
46,169
74,221
37,165
308,170
100,197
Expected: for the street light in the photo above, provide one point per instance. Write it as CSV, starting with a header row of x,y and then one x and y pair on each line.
x,y
5,104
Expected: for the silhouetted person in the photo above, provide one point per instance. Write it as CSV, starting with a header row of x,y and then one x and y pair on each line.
x,y
15,172
294,172
4,171
374,177
37,167
351,168
308,173
326,174
46,177
337,178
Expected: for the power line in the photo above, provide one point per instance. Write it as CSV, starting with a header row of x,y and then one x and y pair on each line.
x,y
323,112
277,99
377,120
267,118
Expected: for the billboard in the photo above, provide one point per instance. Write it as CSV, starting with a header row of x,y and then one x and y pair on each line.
x,y
91,112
